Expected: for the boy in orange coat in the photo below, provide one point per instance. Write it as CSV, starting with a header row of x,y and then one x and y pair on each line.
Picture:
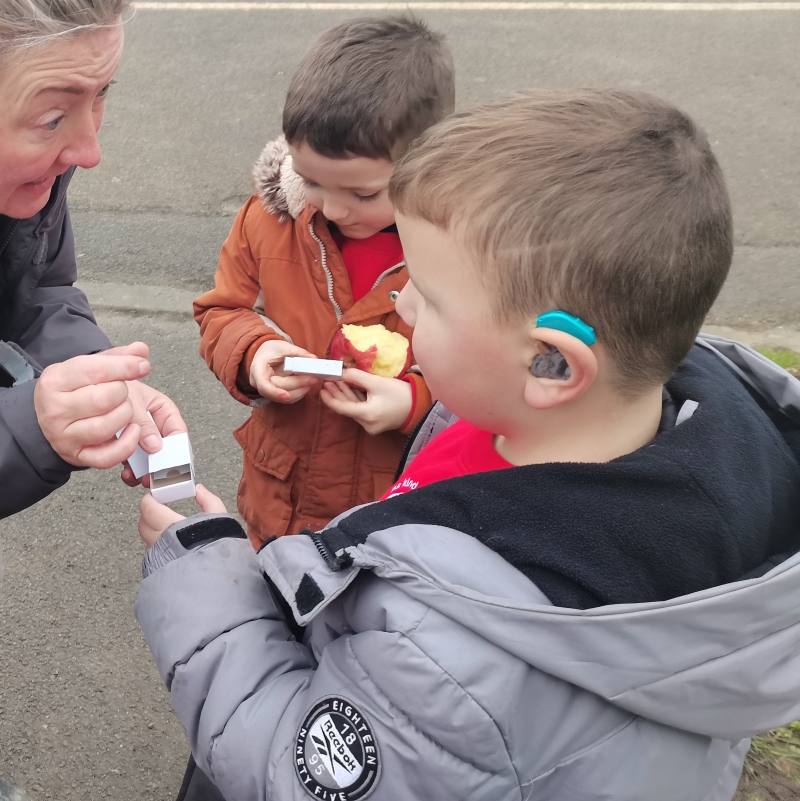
x,y
315,249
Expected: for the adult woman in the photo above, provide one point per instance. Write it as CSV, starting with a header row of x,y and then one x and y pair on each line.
x,y
59,404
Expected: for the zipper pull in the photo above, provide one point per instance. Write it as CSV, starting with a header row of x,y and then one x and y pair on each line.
x,y
334,562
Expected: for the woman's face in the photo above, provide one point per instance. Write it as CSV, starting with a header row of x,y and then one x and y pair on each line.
x,y
52,100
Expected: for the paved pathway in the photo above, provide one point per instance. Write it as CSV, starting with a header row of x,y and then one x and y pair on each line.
x,y
83,716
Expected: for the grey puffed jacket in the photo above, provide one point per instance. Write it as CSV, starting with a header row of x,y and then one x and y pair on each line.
x,y
428,668
50,320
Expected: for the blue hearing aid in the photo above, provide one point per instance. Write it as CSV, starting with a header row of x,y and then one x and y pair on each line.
x,y
553,364
574,326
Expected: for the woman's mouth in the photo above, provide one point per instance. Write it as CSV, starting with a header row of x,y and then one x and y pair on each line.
x,y
39,187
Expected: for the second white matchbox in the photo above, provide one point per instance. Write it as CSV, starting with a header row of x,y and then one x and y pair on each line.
x,y
322,368
172,470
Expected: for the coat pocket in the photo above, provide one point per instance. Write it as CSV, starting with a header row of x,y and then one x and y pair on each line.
x,y
264,451
265,497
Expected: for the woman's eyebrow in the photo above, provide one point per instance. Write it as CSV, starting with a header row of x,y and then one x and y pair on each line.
x,y
70,90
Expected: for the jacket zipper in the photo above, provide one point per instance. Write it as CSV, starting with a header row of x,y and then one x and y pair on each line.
x,y
387,272
335,563
328,274
9,237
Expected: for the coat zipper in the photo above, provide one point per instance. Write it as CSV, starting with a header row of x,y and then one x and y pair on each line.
x,y
387,272
335,563
9,237
337,309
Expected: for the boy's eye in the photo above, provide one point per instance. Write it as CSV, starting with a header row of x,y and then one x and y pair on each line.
x,y
373,196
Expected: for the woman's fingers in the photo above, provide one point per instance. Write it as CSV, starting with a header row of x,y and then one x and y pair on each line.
x,y
166,416
134,349
100,428
110,453
80,389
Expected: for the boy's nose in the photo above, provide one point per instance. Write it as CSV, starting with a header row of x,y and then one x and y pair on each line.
x,y
334,213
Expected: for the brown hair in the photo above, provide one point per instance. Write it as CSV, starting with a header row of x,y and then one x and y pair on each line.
x,y
368,87
608,205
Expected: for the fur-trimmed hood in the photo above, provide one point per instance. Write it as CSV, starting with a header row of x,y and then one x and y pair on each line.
x,y
277,185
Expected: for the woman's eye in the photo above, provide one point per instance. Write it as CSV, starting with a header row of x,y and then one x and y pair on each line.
x,y
52,125
373,196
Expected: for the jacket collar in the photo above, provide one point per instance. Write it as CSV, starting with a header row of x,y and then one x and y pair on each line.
x,y
278,186
41,220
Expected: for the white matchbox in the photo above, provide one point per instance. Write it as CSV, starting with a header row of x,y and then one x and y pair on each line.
x,y
139,462
171,470
322,368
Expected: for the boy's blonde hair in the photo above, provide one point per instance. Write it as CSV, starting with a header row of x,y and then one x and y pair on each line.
x,y
605,204
368,87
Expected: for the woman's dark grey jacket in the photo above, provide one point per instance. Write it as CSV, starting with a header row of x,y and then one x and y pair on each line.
x,y
47,320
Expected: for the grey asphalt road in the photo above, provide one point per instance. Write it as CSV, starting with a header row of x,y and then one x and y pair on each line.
x,y
83,715
199,93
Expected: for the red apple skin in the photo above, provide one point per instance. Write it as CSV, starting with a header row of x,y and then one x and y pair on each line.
x,y
343,348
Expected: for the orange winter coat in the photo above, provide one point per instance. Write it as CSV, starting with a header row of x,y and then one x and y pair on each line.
x,y
280,275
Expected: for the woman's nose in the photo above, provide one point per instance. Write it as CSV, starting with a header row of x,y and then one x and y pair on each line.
x,y
83,149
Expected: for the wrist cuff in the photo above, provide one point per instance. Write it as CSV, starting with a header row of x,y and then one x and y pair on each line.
x,y
185,536
413,384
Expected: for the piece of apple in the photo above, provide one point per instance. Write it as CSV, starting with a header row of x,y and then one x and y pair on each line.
x,y
372,348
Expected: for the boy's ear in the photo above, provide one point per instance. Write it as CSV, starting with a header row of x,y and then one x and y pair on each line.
x,y
564,370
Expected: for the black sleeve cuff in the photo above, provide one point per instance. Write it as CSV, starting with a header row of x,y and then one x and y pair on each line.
x,y
214,528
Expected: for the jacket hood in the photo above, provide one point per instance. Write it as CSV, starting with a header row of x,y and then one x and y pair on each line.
x,y
722,662
278,186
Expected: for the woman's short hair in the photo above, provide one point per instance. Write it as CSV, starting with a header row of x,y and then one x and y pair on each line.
x,y
28,23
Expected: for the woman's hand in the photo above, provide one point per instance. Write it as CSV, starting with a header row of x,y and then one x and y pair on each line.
x,y
378,404
81,403
269,380
155,517
167,420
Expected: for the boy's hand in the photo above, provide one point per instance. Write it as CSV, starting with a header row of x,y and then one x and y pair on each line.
x,y
268,378
155,518
383,405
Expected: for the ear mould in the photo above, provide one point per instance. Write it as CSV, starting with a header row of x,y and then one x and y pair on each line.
x,y
574,326
551,365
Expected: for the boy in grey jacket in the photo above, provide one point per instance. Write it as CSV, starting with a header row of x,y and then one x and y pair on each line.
x,y
606,606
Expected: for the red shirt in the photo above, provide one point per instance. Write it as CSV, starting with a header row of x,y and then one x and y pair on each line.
x,y
459,450
366,259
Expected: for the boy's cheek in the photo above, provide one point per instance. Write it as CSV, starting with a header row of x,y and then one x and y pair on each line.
x,y
405,308
314,198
